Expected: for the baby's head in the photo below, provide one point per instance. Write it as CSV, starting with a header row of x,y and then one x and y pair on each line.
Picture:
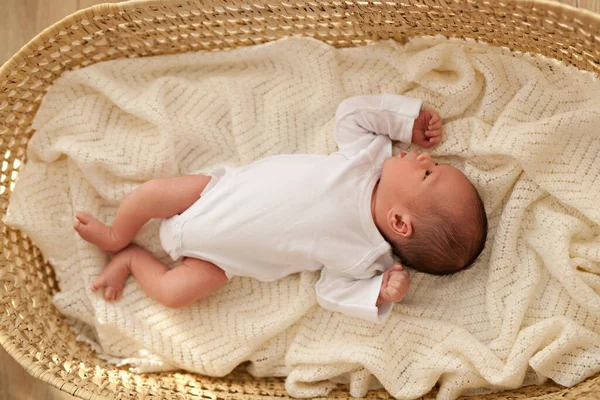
x,y
431,214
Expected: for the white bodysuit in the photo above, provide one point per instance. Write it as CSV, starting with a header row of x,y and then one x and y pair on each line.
x,y
290,213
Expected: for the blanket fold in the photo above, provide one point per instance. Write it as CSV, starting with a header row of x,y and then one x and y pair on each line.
x,y
524,129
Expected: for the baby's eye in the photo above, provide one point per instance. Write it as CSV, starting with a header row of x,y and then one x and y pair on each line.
x,y
427,173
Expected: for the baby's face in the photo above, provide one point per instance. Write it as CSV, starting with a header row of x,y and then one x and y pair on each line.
x,y
414,176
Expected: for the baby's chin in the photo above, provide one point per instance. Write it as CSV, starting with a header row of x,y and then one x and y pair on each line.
x,y
393,159
392,163
389,172
387,164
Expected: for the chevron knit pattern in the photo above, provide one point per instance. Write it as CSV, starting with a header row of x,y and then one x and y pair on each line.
x,y
523,129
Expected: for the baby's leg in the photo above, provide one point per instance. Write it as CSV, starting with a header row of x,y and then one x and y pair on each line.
x,y
177,287
158,198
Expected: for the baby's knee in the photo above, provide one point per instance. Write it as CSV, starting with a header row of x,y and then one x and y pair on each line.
x,y
172,295
176,298
173,301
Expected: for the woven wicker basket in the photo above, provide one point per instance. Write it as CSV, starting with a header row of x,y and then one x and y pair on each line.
x,y
33,331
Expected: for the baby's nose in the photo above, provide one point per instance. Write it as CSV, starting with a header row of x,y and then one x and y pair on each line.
x,y
424,157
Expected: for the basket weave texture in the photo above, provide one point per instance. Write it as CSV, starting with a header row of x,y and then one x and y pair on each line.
x,y
32,330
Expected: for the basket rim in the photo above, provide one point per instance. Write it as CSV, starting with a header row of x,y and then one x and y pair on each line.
x,y
588,17
583,17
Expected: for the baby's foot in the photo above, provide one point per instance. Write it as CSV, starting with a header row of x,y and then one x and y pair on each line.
x,y
93,231
114,276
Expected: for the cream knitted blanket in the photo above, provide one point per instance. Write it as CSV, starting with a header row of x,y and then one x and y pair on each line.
x,y
524,129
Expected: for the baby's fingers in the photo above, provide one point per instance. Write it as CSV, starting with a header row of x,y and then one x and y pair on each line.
x,y
399,280
433,133
397,267
435,126
394,293
432,141
434,117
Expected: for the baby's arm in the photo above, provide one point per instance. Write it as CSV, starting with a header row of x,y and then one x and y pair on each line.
x,y
368,297
394,286
399,117
357,297
358,118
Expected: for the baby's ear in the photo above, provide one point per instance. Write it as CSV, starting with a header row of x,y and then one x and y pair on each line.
x,y
400,223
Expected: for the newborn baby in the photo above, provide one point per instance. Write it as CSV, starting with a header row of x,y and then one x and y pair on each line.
x,y
358,215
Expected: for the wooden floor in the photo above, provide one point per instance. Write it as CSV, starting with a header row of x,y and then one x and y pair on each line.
x,y
20,21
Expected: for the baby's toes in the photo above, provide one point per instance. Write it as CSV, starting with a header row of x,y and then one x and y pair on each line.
x,y
110,293
81,224
79,227
97,284
84,217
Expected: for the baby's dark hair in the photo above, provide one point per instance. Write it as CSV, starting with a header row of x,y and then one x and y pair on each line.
x,y
440,243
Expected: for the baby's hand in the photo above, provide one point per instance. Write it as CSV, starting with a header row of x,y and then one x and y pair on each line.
x,y
427,129
394,286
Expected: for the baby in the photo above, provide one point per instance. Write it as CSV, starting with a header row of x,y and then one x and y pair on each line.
x,y
350,214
